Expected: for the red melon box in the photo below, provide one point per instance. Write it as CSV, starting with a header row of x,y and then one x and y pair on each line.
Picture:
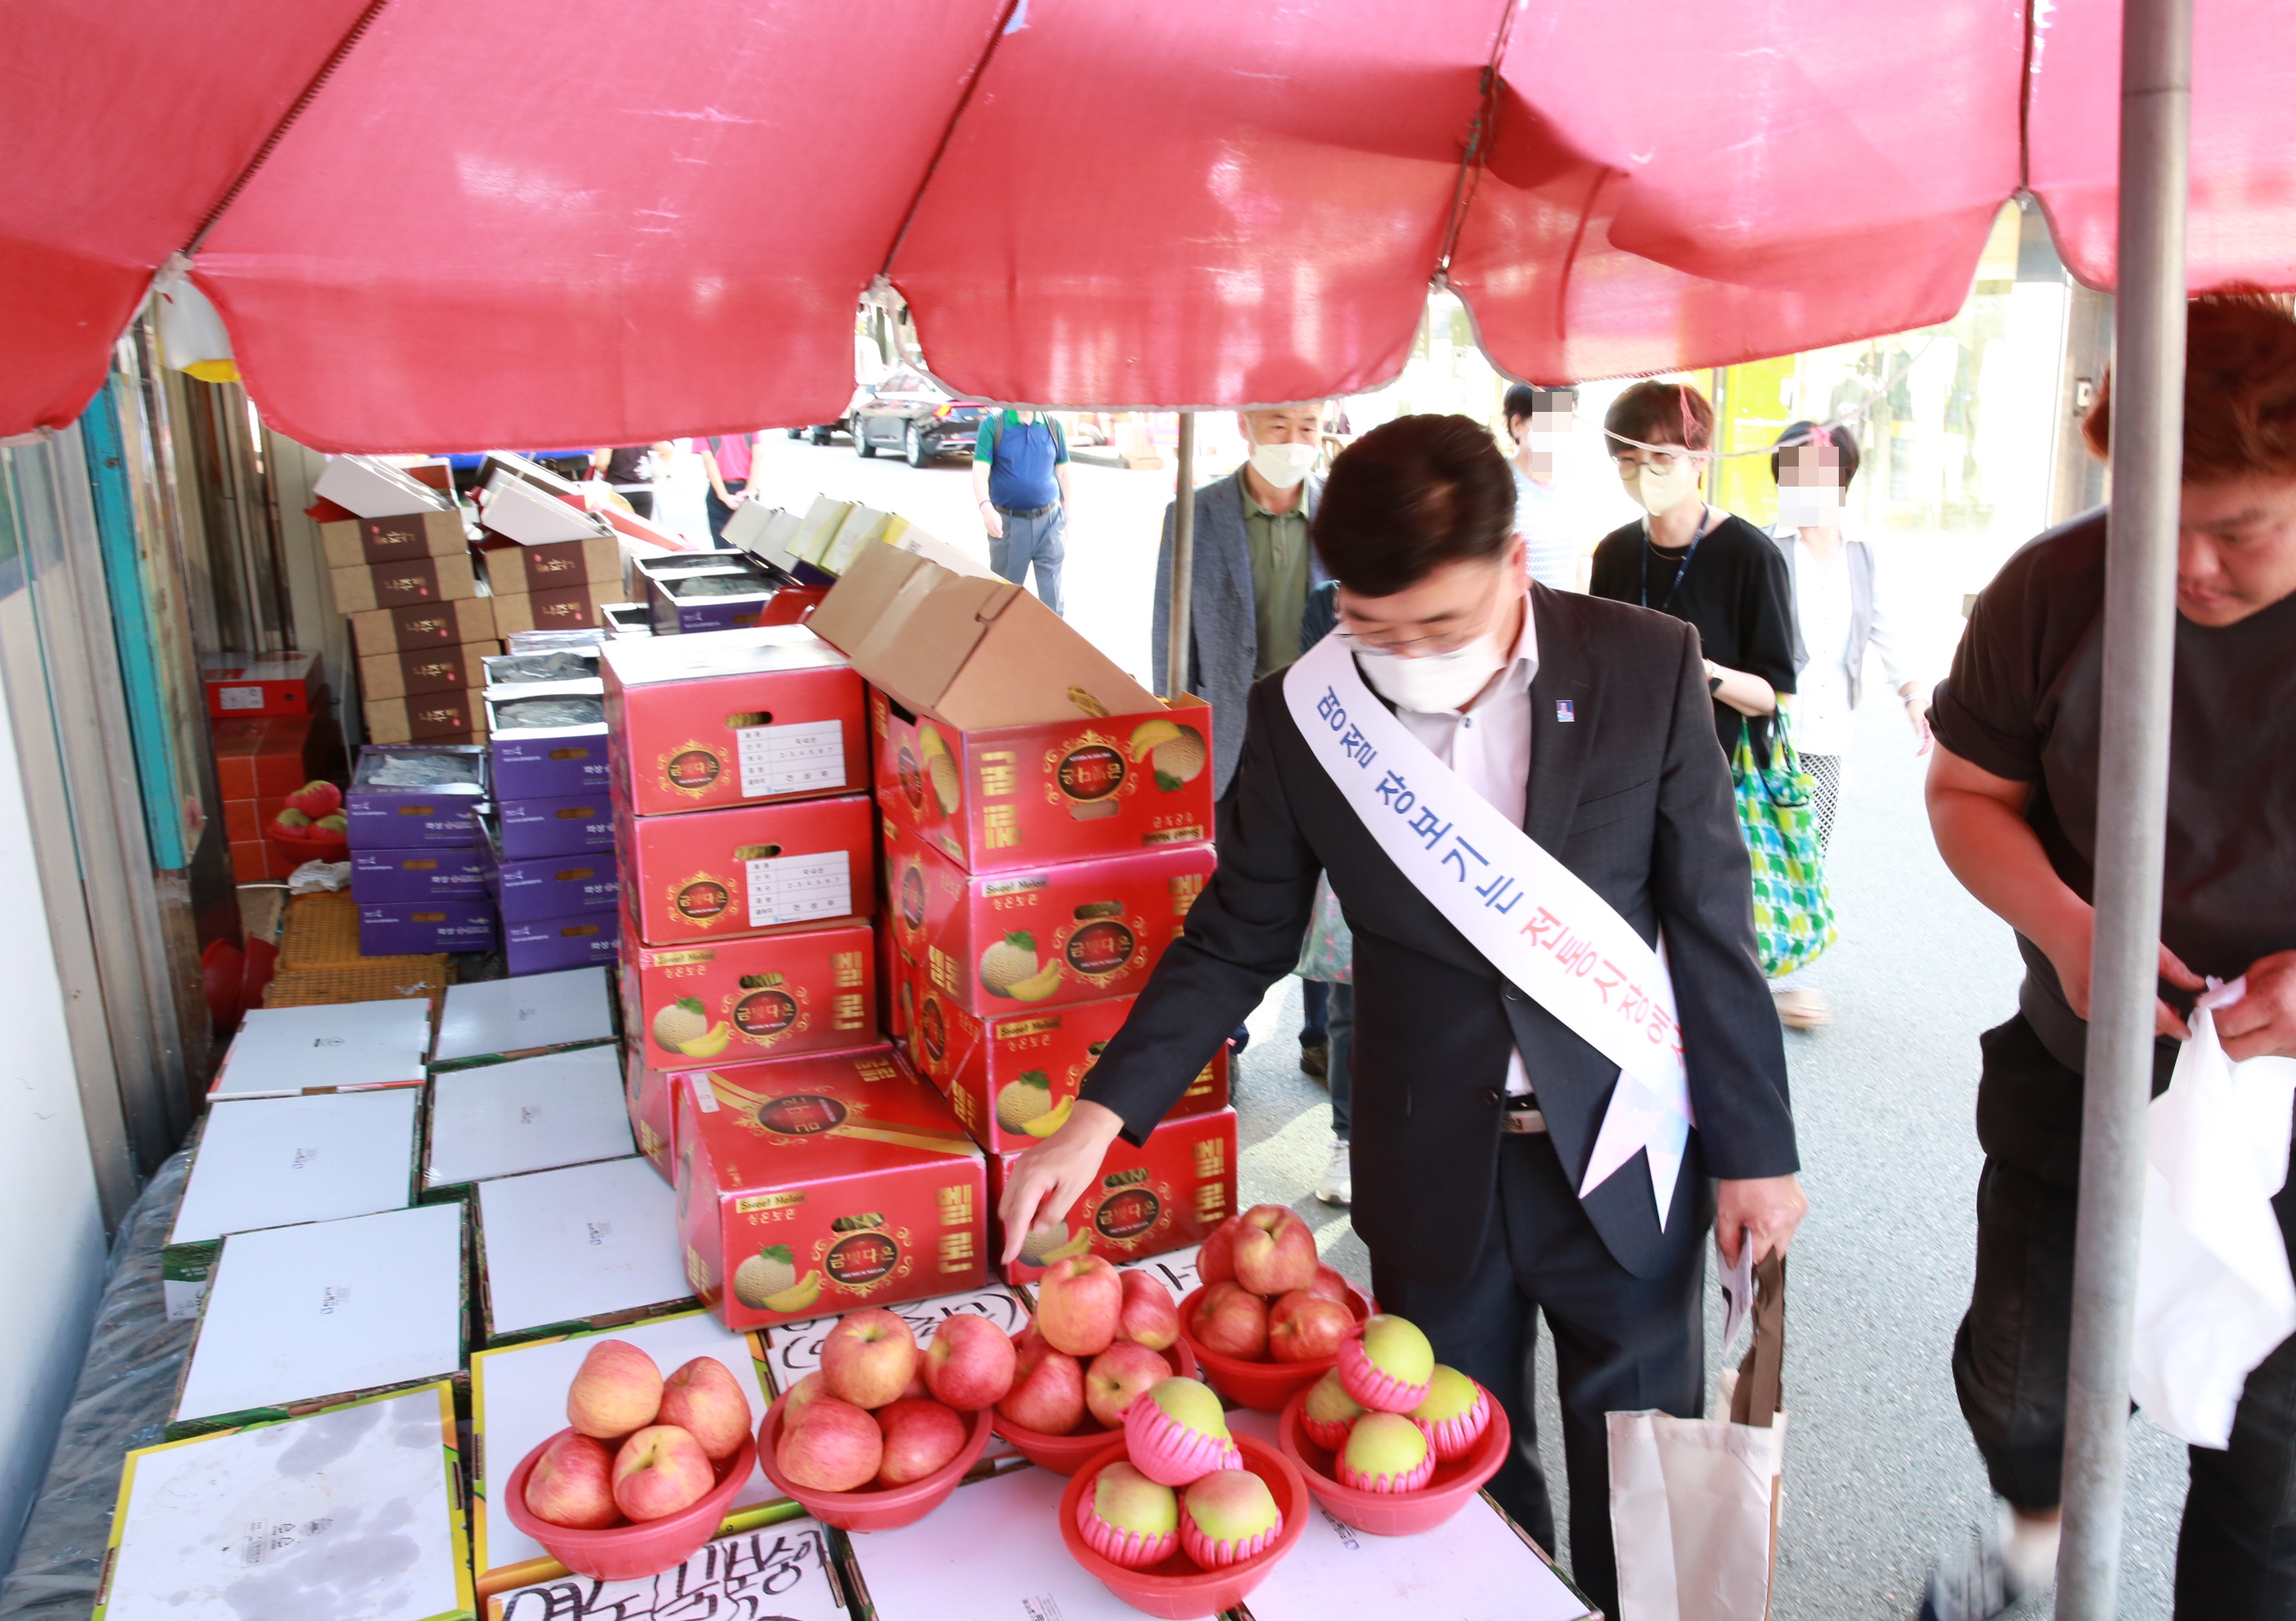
x,y
811,1186
801,862
1145,1201
1024,795
1011,1078
736,1002
1004,942
733,717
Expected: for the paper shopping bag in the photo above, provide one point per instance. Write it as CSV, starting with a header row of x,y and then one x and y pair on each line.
x,y
1695,1502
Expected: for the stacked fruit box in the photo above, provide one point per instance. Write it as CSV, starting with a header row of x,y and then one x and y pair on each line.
x,y
412,814
547,840
276,743
549,564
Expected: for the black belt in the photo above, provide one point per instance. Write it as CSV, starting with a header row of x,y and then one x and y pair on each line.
x,y
1521,1117
1037,512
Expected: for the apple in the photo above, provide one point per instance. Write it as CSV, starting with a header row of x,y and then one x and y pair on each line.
x,y
919,1438
1274,1252
1078,1301
1047,1392
1304,1327
1396,1348
1329,1413
1224,1515
708,1403
869,1357
1216,1256
1142,1515
572,1484
916,1390
838,1448
802,1395
1231,1320
659,1470
334,822
291,817
1149,1316
1116,1375
970,1363
1329,1284
316,798
616,1392
1386,1452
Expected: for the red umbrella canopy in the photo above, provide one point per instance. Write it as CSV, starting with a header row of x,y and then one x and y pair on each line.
x,y
455,223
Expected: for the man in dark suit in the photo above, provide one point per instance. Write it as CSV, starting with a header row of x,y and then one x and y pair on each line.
x,y
1476,1109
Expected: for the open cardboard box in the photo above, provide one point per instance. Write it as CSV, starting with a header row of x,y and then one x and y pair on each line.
x,y
585,1246
493,1019
530,1114
283,1052
369,486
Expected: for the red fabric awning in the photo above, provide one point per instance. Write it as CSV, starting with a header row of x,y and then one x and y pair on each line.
x,y
501,221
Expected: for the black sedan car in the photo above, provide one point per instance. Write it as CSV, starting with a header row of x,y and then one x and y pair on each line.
x,y
911,414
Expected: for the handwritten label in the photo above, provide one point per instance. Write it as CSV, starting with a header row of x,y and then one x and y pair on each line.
x,y
779,1574
792,888
333,1296
787,759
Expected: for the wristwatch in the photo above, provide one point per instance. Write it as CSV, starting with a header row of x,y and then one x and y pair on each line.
x,y
1714,684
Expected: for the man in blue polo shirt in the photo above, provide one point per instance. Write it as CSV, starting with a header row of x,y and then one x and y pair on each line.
x,y
1021,480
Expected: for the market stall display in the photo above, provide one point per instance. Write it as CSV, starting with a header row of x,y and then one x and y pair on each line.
x,y
413,813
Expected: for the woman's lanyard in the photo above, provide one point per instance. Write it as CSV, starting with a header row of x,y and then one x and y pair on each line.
x,y
1680,569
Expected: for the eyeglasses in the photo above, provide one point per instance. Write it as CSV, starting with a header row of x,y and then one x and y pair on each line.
x,y
1632,461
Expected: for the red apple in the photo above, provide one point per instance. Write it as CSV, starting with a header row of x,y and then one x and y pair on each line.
x,y
802,1395
1078,1302
317,799
1047,1394
1331,1285
572,1484
919,1438
709,1403
1231,1320
1216,1256
1116,1375
1303,1327
869,1357
616,1392
1274,1252
916,1390
970,1363
837,1449
1149,1316
659,1470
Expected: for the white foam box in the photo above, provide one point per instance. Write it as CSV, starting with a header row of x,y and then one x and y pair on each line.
x,y
345,1046
507,1017
518,1401
786,1573
279,1162
370,487
299,1318
585,1247
529,1114
517,510
353,1513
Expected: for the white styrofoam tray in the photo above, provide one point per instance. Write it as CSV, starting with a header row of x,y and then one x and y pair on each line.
x,y
273,1162
530,1114
582,1242
520,1015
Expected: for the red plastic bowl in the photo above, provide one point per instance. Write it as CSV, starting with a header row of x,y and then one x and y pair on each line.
x,y
304,847
873,1508
1062,1454
1174,1588
645,1548
1394,1513
1263,1386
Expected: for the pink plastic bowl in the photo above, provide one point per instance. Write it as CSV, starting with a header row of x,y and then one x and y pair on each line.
x,y
1263,1386
642,1548
1394,1513
873,1508
1062,1453
1174,1588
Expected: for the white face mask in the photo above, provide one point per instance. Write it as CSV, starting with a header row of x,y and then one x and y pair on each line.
x,y
1283,465
1811,506
1433,682
1661,489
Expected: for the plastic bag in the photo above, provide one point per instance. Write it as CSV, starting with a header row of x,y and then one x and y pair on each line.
x,y
543,667
551,712
1329,952
319,877
416,770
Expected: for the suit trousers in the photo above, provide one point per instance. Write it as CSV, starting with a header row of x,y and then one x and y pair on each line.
x,y
1622,1344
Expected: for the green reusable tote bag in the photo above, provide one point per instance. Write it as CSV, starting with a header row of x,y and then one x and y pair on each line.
x,y
1793,914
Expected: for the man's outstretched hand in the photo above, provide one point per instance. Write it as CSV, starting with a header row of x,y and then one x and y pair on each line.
x,y
1049,1178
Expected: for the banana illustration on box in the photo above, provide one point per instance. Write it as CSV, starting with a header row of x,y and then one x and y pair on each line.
x,y
767,1281
940,766
684,1027
1009,968
1175,752
1037,1249
1025,1104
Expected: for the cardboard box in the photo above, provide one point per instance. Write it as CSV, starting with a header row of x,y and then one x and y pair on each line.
x,y
545,658
440,718
422,671
764,531
493,1019
814,1185
412,928
426,626
526,1114
270,756
348,1046
279,1162
383,816
817,529
513,570
430,874
243,688
353,542
570,826
975,653
1024,795
1165,1195
410,583
696,593
546,946
302,1317
521,509
373,488
552,886
1011,1079
733,719
748,867
259,861
538,755
627,620
236,1524
518,1401
576,607
585,1246
1004,942
247,820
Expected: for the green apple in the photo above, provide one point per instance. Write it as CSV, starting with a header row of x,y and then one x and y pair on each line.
x,y
1191,1404
1329,1403
1125,1498
1385,1444
1232,1505
1396,1348
1451,1396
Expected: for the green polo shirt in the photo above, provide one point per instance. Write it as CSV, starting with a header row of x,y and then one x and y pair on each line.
x,y
1277,542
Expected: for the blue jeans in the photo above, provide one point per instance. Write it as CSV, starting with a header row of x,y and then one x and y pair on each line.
x,y
1341,1048
1041,540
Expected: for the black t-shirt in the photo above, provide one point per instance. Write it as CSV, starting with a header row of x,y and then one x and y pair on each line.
x,y
1735,590
2023,703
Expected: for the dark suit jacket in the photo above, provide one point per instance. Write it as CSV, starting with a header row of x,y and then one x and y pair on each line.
x,y
1633,797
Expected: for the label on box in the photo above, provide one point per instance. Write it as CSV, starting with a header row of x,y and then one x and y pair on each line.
x,y
787,759
239,698
795,889
386,540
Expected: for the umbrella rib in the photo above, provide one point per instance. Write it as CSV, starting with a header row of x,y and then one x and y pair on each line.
x,y
1481,133
310,93
1005,25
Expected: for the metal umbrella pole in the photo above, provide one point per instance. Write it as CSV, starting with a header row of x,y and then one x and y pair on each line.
x,y
1176,645
2140,608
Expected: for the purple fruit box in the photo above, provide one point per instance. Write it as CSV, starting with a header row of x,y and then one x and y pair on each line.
x,y
413,927
552,759
435,872
727,593
545,946
407,794
574,825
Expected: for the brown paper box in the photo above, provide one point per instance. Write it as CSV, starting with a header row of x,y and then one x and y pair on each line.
x,y
429,624
579,607
512,569
431,717
405,584
430,669
352,543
